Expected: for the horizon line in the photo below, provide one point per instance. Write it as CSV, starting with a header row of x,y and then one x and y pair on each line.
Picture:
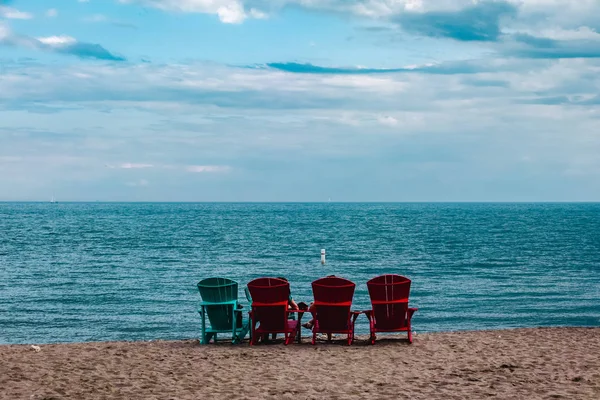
x,y
306,202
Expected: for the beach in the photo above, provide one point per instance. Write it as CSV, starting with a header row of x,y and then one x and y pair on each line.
x,y
533,363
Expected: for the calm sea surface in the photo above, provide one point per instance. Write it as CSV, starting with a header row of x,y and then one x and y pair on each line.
x,y
96,271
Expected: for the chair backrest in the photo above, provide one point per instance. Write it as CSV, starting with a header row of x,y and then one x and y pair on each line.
x,y
333,299
270,302
389,299
218,291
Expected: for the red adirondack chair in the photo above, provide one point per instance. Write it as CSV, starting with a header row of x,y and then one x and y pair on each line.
x,y
389,301
269,313
331,308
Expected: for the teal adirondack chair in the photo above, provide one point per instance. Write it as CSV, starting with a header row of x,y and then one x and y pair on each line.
x,y
220,305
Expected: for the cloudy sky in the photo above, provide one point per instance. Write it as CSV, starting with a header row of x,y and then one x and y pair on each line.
x,y
300,100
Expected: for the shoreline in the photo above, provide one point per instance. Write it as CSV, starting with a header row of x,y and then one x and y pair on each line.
x,y
529,363
306,336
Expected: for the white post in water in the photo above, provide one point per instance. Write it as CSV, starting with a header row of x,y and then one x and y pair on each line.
x,y
323,256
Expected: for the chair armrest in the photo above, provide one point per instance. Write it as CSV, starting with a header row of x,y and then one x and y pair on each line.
x,y
355,315
411,311
300,313
221,303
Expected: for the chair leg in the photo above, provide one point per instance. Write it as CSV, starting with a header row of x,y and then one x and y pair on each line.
x,y
234,338
409,326
203,328
252,333
243,332
372,337
314,336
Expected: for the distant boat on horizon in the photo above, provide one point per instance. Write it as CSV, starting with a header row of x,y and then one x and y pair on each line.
x,y
53,200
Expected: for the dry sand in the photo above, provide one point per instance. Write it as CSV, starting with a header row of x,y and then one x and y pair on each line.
x,y
551,363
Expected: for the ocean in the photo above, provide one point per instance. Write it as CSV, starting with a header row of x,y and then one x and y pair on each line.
x,y
75,272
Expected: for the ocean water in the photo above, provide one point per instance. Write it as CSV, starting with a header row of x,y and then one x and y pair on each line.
x,y
73,272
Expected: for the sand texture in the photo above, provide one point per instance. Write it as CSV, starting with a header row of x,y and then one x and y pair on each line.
x,y
549,363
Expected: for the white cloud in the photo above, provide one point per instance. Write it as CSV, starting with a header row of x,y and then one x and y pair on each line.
x,y
57,40
257,14
188,168
4,31
208,168
135,166
11,13
51,13
228,11
413,5
558,33
7,36
281,128
58,44
176,87
533,15
129,166
365,82
388,120
232,14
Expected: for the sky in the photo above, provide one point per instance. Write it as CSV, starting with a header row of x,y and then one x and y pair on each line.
x,y
300,100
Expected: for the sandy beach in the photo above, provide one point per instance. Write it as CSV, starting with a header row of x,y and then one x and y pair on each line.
x,y
542,363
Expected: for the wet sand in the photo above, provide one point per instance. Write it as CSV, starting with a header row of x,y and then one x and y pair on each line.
x,y
541,363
